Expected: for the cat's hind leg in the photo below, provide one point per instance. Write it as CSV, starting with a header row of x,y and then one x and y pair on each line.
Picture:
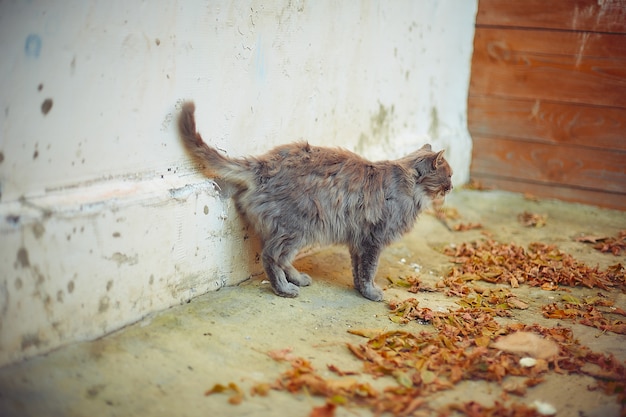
x,y
276,274
291,273
278,253
299,278
364,267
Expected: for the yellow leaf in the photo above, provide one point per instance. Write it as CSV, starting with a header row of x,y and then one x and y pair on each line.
x,y
427,376
403,379
568,298
482,341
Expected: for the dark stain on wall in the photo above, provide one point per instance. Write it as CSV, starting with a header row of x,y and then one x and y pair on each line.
x,y
30,340
38,230
46,106
22,258
104,304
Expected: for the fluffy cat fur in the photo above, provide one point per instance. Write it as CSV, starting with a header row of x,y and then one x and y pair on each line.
x,y
298,195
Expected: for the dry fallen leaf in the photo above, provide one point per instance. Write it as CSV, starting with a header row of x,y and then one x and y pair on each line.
x,y
368,333
515,387
463,227
606,244
527,343
590,238
530,197
335,369
532,219
326,410
615,245
474,184
262,389
281,354
236,393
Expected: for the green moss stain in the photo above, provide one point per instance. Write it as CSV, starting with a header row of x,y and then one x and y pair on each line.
x,y
380,122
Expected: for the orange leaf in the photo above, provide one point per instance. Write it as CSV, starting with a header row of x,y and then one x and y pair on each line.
x,y
281,354
326,410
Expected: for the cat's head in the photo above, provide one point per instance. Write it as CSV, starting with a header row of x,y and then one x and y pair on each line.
x,y
433,172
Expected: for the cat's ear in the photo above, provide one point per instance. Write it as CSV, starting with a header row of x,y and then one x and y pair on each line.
x,y
426,147
438,158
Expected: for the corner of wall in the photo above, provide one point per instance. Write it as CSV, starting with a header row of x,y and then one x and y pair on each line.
x,y
79,263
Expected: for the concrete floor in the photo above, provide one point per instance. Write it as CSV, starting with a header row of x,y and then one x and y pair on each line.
x,y
162,365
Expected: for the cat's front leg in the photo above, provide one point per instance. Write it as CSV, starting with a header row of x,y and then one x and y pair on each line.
x,y
364,267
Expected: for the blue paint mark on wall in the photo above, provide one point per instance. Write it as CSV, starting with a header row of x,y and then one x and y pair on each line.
x,y
32,47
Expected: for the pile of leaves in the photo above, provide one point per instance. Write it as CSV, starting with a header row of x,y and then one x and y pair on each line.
x,y
606,244
498,300
588,311
424,363
471,342
478,322
541,265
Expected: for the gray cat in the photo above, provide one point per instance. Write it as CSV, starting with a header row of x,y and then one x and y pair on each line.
x,y
298,195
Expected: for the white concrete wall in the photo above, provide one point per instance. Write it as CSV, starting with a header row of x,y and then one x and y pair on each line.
x,y
103,218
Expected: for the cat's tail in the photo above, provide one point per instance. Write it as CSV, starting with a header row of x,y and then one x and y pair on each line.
x,y
236,171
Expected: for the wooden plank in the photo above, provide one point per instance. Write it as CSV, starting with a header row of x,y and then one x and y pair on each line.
x,y
585,15
541,42
576,195
557,123
602,170
525,64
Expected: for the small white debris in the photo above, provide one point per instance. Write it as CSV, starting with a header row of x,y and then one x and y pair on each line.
x,y
527,362
265,281
543,408
416,267
402,261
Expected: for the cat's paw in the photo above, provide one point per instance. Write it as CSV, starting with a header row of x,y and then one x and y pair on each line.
x,y
290,290
301,280
372,293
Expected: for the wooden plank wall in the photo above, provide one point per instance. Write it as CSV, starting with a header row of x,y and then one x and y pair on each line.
x,y
547,99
